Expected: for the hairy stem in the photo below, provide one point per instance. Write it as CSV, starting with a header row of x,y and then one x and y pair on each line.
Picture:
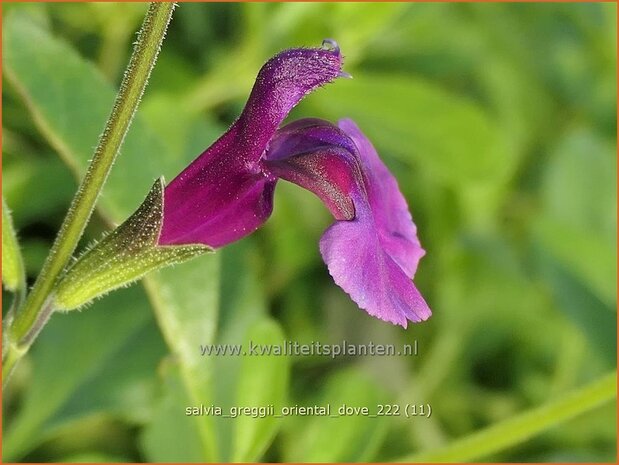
x,y
30,316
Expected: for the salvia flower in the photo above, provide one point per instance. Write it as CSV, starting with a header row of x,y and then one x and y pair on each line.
x,y
372,250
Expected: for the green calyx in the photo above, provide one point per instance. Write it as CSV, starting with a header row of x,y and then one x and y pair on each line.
x,y
123,256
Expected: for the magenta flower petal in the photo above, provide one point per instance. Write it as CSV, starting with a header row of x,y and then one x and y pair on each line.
x,y
225,194
374,257
397,231
373,253
217,202
360,264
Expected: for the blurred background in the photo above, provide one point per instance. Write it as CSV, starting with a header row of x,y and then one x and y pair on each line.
x,y
499,122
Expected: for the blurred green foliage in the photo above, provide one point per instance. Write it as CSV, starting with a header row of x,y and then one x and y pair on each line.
x,y
499,121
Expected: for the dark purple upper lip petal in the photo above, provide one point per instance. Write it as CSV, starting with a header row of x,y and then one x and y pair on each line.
x,y
281,83
305,135
318,156
328,172
229,177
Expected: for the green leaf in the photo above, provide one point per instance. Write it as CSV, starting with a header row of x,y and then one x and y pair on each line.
x,y
370,20
171,436
263,381
94,457
69,101
184,135
186,301
125,386
523,426
71,352
189,323
243,308
579,222
287,228
13,275
37,189
304,24
570,245
595,319
353,438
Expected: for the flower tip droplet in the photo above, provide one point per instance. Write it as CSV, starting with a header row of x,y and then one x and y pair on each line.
x,y
344,74
330,44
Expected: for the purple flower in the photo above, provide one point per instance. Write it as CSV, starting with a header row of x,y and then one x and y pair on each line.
x,y
372,250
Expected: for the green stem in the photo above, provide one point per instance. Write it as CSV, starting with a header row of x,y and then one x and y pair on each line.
x,y
11,355
524,426
31,315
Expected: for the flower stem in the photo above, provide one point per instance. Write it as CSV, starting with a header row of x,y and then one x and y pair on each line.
x,y
30,318
11,355
523,426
